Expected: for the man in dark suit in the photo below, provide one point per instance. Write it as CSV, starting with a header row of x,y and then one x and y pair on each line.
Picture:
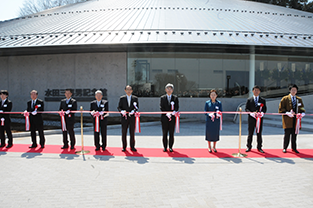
x,y
257,106
69,104
5,125
291,105
97,108
168,102
128,105
36,121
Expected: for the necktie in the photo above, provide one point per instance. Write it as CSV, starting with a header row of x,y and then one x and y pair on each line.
x,y
33,104
98,103
294,102
256,101
169,99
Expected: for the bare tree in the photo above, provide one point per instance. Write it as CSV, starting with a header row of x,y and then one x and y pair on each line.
x,y
34,6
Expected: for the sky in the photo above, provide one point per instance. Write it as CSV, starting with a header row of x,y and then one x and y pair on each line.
x,y
10,9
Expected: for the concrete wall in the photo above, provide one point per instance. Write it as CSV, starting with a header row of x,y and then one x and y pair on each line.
x,y
21,74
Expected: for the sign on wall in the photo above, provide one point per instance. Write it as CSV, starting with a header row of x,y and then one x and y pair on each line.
x,y
78,94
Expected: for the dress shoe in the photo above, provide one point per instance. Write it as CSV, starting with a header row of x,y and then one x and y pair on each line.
x,y
210,150
171,150
295,151
214,150
42,146
248,149
9,145
72,147
2,145
260,150
64,147
97,149
284,150
103,148
164,150
33,146
133,149
123,150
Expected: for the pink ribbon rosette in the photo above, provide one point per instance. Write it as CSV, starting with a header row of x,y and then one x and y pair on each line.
x,y
62,113
258,117
177,117
97,124
27,123
298,122
137,123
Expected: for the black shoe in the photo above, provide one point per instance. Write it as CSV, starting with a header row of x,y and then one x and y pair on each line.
x,y
9,145
295,151
42,146
2,145
210,150
97,149
260,150
171,150
214,150
133,149
72,147
248,149
64,147
103,148
164,150
284,150
33,146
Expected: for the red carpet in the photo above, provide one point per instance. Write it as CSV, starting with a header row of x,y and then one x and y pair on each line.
x,y
158,152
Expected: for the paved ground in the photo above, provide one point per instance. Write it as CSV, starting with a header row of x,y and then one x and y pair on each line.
x,y
52,180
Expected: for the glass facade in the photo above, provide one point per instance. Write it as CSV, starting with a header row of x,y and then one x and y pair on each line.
x,y
195,74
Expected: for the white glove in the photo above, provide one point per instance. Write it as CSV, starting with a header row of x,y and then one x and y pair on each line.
x,y
67,112
92,112
211,115
101,113
169,115
252,115
302,114
123,112
34,113
262,114
1,111
173,113
290,114
131,113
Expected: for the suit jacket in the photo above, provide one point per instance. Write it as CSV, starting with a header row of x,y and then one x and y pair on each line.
x,y
285,105
72,106
6,107
123,105
35,118
104,106
166,106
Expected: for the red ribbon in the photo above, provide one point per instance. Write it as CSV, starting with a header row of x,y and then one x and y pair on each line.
x,y
97,125
2,121
177,117
298,123
62,113
221,121
27,123
258,117
137,124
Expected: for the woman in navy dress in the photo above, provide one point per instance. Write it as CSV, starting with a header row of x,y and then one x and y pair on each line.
x,y
213,120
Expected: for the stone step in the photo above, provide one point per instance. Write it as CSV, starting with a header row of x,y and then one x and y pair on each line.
x,y
305,124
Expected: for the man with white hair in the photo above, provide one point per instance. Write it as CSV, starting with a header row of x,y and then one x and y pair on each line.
x,y
168,103
98,108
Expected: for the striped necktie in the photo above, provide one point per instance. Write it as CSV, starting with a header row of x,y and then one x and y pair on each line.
x,y
294,102
256,101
